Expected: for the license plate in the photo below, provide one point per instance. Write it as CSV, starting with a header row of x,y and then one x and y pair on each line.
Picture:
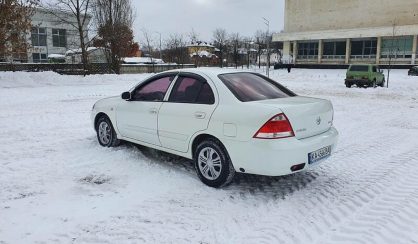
x,y
319,155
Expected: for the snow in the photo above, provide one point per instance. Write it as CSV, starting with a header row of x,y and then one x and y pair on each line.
x,y
203,53
142,60
59,186
78,51
58,56
200,44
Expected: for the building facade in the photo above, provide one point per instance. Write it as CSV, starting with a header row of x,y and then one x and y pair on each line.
x,y
350,31
51,36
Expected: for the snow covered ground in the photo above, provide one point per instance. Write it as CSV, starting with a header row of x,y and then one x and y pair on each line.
x,y
57,185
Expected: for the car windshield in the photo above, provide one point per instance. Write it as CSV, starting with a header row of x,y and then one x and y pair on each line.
x,y
361,68
249,87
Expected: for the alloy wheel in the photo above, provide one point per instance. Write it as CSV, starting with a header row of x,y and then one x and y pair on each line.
x,y
104,133
209,162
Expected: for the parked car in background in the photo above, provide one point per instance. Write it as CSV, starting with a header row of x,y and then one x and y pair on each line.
x,y
226,121
364,75
413,71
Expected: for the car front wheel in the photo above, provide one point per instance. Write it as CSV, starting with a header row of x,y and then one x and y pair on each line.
x,y
106,135
212,164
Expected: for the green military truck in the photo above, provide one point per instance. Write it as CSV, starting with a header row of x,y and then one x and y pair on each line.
x,y
364,75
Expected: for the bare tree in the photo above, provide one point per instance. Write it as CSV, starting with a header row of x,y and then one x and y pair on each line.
x,y
175,49
194,36
80,10
15,23
220,41
235,42
260,40
148,43
248,41
114,19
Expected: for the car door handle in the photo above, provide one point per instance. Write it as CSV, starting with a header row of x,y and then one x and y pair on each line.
x,y
199,115
153,110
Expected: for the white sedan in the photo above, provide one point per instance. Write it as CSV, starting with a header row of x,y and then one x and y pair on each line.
x,y
226,121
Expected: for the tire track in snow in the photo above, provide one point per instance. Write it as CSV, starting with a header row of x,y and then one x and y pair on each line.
x,y
326,206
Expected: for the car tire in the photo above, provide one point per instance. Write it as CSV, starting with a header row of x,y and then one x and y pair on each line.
x,y
212,164
383,83
106,134
374,84
348,85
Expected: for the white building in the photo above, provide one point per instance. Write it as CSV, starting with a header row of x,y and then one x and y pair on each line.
x,y
350,31
50,35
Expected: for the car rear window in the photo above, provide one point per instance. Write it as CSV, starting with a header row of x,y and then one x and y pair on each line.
x,y
361,68
249,87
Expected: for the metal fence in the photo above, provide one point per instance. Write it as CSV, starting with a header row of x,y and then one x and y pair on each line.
x,y
78,69
59,68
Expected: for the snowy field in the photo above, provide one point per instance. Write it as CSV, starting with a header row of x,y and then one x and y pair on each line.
x,y
57,185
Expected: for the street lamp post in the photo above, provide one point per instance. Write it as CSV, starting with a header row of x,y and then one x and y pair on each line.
x,y
267,23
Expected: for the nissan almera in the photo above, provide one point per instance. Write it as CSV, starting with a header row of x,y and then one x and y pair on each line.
x,y
225,121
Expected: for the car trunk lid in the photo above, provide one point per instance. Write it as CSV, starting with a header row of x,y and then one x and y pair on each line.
x,y
308,116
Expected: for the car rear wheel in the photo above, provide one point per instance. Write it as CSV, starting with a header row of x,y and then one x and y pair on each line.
x,y
383,83
374,84
348,85
212,164
106,135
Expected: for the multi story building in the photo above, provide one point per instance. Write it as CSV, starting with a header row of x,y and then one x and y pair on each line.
x,y
350,31
52,36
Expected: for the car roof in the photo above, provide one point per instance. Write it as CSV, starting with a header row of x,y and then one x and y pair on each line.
x,y
209,71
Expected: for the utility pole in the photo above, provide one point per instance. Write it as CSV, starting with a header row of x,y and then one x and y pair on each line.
x,y
267,23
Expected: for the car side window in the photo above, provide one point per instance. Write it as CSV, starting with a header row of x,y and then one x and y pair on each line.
x,y
374,69
153,91
192,90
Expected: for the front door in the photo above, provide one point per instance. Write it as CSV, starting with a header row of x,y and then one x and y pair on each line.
x,y
187,111
137,118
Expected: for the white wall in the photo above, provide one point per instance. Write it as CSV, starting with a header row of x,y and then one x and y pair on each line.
x,y
44,19
314,15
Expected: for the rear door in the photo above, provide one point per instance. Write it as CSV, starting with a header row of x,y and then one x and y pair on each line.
x,y
188,110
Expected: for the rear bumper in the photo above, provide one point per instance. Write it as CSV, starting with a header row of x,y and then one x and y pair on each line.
x,y
358,82
276,157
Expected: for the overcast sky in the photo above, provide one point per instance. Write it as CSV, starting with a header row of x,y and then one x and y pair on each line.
x,y
204,16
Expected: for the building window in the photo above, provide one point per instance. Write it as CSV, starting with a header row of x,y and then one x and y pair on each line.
x,y
39,58
308,50
364,48
38,36
334,50
397,47
59,38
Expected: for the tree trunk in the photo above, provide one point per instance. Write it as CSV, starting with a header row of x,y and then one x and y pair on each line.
x,y
84,58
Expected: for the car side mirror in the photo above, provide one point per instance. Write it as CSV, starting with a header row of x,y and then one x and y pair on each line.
x,y
126,96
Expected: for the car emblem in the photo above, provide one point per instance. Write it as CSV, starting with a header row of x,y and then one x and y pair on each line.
x,y
318,121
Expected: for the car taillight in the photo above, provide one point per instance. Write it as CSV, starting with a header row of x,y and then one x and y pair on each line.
x,y
365,77
277,127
